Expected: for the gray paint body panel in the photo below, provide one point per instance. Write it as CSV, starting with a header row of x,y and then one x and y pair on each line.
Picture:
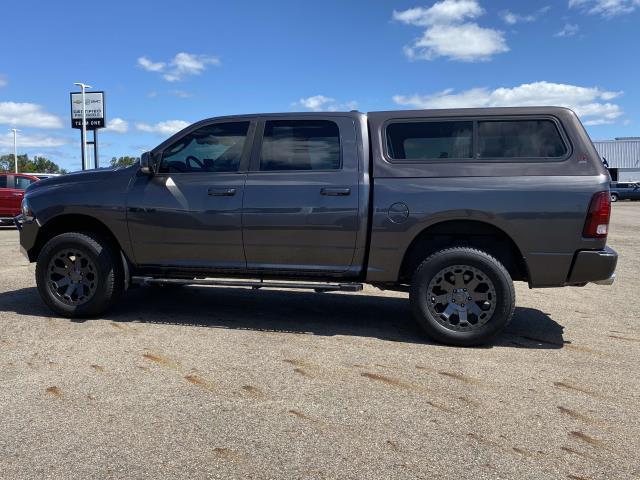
x,y
278,223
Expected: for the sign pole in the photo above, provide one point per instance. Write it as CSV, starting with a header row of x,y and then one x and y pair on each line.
x,y
95,148
15,147
84,162
85,155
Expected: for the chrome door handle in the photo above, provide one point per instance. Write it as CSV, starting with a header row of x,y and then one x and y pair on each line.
x,y
222,192
17,194
335,192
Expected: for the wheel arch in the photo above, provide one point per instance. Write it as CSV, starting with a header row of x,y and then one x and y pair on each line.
x,y
73,222
472,233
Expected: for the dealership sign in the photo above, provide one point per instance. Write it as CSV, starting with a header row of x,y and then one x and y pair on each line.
x,y
94,110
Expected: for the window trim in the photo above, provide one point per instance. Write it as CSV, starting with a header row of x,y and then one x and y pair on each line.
x,y
243,166
475,144
259,138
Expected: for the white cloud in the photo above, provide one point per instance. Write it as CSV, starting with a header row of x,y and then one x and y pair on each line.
x,y
150,66
30,141
592,104
117,125
569,30
606,8
320,103
168,127
448,32
27,115
467,42
181,66
4,80
184,64
512,18
446,11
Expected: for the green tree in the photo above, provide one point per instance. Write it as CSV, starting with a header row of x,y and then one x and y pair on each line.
x,y
26,165
124,161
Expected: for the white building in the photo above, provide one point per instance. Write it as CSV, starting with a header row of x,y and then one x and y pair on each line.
x,y
623,157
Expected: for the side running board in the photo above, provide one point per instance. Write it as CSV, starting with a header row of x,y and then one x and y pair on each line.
x,y
255,284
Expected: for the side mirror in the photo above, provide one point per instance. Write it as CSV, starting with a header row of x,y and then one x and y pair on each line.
x,y
146,164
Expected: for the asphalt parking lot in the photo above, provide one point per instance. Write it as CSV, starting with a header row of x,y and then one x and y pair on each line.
x,y
233,383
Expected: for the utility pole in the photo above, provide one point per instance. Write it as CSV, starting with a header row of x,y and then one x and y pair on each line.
x,y
15,147
85,157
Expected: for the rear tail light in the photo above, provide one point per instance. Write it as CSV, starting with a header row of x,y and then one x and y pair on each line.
x,y
597,224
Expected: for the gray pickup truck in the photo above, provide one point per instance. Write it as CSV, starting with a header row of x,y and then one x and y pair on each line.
x,y
451,206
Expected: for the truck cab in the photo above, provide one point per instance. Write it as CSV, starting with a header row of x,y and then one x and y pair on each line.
x,y
256,194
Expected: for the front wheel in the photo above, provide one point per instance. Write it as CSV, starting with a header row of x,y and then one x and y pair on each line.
x,y
462,296
614,197
79,275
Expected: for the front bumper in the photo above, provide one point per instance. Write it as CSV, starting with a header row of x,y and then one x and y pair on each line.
x,y
595,266
28,235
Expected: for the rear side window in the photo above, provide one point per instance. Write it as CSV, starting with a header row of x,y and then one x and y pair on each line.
x,y
300,145
519,139
430,140
23,182
3,181
212,148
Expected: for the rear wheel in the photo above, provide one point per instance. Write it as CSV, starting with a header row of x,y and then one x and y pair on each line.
x,y
79,275
614,197
462,296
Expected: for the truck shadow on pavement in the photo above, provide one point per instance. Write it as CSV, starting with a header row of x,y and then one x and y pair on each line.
x,y
362,315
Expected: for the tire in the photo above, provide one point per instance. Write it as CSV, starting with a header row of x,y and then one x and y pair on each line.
x,y
440,305
79,275
614,197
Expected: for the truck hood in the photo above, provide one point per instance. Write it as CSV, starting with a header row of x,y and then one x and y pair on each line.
x,y
98,175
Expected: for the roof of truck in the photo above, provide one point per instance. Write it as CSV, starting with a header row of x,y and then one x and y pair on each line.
x,y
442,112
488,111
528,110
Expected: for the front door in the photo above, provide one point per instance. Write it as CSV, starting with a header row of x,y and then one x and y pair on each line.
x,y
189,214
301,196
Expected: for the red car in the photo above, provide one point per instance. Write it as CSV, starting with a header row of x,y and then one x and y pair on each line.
x,y
12,186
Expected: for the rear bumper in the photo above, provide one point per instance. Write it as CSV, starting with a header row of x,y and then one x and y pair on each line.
x,y
595,266
607,281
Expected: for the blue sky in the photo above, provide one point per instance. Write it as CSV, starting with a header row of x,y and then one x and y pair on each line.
x,y
164,64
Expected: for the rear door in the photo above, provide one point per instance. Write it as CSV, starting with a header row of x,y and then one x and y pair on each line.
x,y
301,197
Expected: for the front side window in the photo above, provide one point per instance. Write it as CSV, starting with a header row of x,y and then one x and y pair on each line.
x,y
3,181
300,145
213,148
519,139
423,140
23,182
